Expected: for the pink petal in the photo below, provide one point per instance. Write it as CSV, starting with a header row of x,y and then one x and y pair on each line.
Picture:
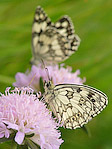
x,y
19,137
47,146
42,138
21,80
4,131
7,133
1,135
12,126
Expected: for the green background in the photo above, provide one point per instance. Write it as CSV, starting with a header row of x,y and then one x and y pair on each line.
x,y
93,23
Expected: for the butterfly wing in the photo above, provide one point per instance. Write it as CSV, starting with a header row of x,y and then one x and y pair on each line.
x,y
40,23
52,42
66,28
75,105
52,45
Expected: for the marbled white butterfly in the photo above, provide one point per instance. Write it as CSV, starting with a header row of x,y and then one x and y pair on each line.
x,y
52,42
74,105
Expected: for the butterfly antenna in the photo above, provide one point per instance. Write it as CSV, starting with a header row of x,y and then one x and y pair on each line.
x,y
47,74
43,63
32,79
46,70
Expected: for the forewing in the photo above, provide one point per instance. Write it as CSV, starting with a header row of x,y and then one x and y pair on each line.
x,y
75,105
40,23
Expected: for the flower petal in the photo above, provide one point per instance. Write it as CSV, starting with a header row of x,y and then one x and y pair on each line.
x,y
1,135
4,131
57,73
19,137
24,115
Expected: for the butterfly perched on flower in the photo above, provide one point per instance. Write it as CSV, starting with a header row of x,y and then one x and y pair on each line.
x,y
74,105
52,42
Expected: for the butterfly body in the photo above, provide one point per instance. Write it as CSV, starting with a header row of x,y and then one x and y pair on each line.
x,y
52,42
74,105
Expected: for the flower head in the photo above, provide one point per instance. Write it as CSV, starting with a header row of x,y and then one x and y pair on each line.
x,y
58,74
22,114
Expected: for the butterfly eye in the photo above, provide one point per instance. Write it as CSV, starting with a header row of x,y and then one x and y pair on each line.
x,y
47,84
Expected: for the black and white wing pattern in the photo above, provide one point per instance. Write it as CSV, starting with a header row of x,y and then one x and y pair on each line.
x,y
74,105
66,28
52,42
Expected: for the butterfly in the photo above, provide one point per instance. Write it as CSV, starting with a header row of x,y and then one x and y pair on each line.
x,y
52,42
74,105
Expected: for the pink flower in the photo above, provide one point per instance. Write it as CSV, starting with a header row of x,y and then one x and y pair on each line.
x,y
23,114
4,132
58,74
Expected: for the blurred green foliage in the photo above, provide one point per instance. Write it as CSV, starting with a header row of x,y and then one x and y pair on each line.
x,y
93,24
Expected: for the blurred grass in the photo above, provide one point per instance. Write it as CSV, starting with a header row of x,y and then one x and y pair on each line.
x,y
93,24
